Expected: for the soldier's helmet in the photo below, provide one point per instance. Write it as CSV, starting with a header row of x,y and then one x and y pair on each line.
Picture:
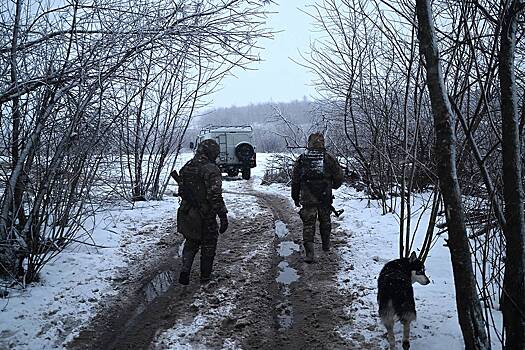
x,y
210,148
316,141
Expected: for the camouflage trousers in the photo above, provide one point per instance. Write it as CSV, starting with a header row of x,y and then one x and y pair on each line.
x,y
207,246
309,216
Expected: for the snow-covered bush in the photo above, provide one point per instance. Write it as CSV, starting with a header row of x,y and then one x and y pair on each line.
x,y
279,169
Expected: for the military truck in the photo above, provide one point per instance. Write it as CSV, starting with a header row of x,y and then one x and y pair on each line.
x,y
237,150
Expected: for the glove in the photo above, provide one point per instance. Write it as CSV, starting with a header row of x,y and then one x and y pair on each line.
x,y
223,225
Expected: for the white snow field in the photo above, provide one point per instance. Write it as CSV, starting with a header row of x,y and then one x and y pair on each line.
x,y
47,314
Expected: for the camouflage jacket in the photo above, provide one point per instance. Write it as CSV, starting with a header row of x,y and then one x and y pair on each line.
x,y
316,192
201,193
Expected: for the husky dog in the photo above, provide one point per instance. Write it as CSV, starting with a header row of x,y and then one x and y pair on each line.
x,y
396,296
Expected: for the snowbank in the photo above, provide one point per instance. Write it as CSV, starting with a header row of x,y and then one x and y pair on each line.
x,y
50,312
372,240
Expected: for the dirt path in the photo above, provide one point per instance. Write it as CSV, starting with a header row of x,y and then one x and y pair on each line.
x,y
317,306
263,295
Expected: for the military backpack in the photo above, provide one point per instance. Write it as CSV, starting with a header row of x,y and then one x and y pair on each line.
x,y
313,165
313,175
193,189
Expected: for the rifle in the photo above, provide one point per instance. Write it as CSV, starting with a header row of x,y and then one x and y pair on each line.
x,y
336,212
184,192
324,201
175,175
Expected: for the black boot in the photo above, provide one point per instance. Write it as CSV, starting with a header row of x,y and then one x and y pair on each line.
x,y
325,237
207,257
188,254
184,278
326,242
309,250
206,268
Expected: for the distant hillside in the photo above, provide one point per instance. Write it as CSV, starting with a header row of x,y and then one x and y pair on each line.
x,y
264,117
296,111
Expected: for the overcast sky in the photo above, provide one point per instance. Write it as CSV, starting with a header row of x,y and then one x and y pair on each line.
x,y
277,78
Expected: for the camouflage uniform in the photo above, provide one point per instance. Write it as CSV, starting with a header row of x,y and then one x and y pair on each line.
x,y
201,192
315,174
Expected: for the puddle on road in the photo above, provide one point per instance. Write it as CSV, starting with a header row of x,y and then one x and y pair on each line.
x,y
159,285
286,248
280,229
287,274
155,288
285,316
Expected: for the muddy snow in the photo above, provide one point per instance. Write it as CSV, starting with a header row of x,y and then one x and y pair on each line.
x,y
121,291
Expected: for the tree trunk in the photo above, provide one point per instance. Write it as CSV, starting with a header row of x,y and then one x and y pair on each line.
x,y
16,116
8,256
513,301
469,308
138,188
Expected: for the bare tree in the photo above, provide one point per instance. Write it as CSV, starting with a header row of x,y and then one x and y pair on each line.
x,y
74,73
469,308
222,36
514,281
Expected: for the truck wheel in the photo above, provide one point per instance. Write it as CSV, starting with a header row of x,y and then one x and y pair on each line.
x,y
246,172
233,172
244,152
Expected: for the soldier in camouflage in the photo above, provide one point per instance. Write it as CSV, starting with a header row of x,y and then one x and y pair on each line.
x,y
315,174
200,187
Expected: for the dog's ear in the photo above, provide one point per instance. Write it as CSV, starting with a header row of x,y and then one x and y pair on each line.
x,y
413,257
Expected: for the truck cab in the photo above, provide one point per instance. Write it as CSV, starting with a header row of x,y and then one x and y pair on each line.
x,y
237,149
